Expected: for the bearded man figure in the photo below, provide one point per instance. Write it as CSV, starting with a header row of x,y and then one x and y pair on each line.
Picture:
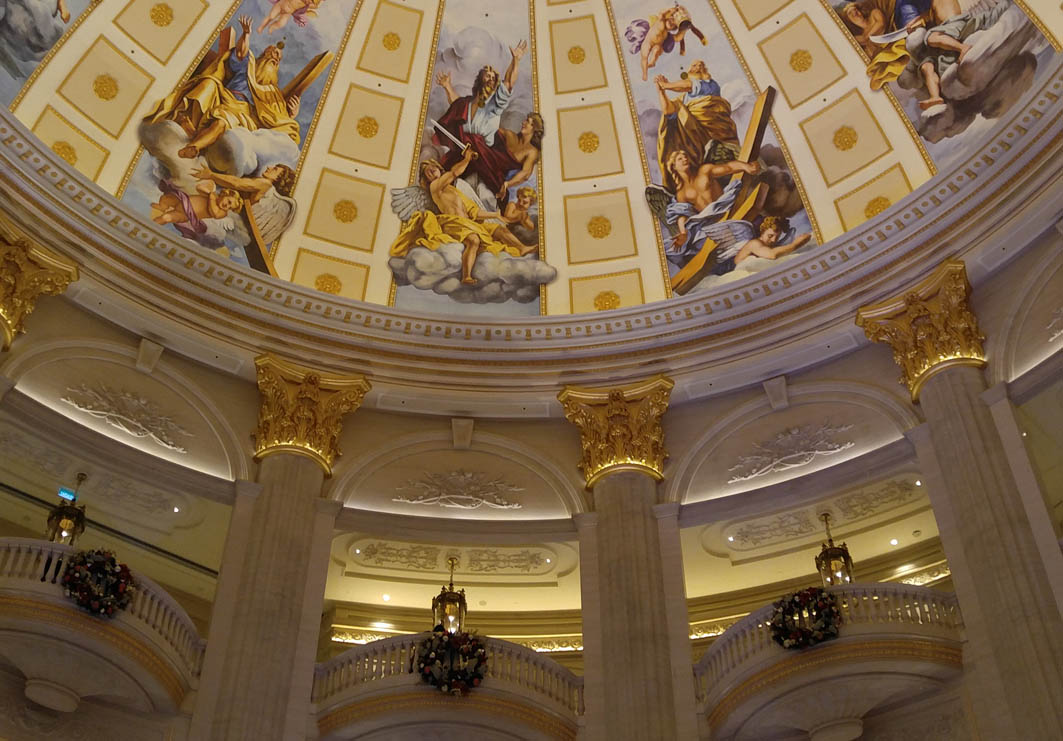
x,y
475,120
233,91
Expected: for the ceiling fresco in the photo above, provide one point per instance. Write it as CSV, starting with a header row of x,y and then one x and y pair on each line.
x,y
521,157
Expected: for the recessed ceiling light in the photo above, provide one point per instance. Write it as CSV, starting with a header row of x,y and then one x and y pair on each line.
x,y
386,597
918,482
730,539
549,561
894,541
1024,434
357,550
176,510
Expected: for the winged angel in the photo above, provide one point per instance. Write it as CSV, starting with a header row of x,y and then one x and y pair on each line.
x,y
444,209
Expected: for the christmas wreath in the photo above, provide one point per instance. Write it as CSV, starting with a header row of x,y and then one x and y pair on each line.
x,y
98,583
805,618
453,662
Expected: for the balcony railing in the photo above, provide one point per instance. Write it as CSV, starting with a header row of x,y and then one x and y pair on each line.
x,y
152,612
886,609
366,668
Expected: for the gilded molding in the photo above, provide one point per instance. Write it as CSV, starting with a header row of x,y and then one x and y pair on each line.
x,y
620,428
301,410
930,327
27,272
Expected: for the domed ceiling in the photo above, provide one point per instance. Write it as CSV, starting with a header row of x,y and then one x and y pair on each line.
x,y
516,158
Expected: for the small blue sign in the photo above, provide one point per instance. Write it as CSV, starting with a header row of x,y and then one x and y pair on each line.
x,y
68,494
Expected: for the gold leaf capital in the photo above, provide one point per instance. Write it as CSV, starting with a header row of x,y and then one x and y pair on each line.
x,y
620,428
930,327
27,272
301,410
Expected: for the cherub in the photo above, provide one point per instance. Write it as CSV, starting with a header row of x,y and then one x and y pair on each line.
x,y
659,35
738,240
284,10
517,212
188,212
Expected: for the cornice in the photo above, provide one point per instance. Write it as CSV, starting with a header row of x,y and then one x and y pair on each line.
x,y
794,315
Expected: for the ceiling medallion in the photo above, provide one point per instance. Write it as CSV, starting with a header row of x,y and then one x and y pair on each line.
x,y
391,41
576,55
588,142
599,227
606,300
105,87
328,283
345,211
66,151
845,138
367,127
460,490
876,205
129,412
801,60
161,15
791,448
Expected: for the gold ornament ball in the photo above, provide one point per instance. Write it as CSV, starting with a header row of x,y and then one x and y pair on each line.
x,y
66,151
588,142
328,283
876,205
801,60
576,55
105,87
367,127
345,211
161,15
599,227
606,300
391,41
845,138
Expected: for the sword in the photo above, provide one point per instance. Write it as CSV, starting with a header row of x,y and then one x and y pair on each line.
x,y
439,127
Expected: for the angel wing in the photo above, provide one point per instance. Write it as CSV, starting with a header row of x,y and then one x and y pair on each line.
x,y
658,197
405,202
273,214
716,152
729,236
469,192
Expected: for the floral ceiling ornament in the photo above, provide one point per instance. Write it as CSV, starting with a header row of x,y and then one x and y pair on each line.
x,y
302,411
460,490
620,428
865,503
487,560
929,328
419,557
783,526
27,272
791,448
129,412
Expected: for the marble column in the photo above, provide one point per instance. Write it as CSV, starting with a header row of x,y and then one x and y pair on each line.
x,y
1013,656
261,667
639,675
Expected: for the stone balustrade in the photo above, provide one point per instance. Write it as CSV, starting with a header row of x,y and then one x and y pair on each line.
x,y
386,663
30,571
745,661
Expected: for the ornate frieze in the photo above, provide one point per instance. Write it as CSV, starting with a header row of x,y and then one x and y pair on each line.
x,y
929,328
928,575
620,428
491,560
791,448
780,527
419,557
27,272
302,410
459,490
129,412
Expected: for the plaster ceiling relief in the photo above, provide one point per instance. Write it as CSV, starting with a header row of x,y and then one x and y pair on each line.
x,y
158,412
585,195
442,482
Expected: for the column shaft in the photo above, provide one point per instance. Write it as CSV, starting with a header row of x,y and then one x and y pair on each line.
x,y
1014,628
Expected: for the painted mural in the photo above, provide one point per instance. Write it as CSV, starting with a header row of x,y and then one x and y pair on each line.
x,y
725,199
28,31
470,224
955,65
221,151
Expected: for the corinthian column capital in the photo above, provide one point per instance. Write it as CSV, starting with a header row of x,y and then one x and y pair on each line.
x,y
620,428
930,327
27,272
301,410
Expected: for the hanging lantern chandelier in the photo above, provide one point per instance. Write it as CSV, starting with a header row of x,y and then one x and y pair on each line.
x,y
66,520
833,563
448,607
